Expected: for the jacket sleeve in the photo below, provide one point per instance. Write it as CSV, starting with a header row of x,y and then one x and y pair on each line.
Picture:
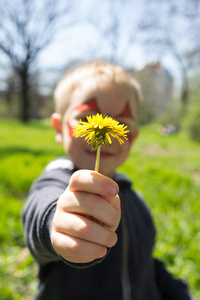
x,y
38,212
170,288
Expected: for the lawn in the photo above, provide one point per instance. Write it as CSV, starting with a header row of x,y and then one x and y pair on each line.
x,y
165,169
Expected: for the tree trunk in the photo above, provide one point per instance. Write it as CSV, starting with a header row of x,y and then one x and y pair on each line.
x,y
24,99
184,96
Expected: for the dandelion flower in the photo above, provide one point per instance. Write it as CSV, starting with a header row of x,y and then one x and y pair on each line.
x,y
98,130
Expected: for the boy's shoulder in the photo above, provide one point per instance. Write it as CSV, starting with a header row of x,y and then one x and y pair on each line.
x,y
56,173
66,165
122,179
60,163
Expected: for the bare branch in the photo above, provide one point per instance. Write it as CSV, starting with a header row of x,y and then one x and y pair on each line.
x,y
26,28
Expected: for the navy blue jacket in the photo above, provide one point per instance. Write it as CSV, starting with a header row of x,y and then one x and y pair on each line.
x,y
127,272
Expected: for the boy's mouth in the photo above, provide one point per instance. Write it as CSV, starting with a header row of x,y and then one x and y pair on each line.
x,y
104,154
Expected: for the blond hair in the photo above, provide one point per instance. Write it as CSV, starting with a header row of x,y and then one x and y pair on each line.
x,y
97,70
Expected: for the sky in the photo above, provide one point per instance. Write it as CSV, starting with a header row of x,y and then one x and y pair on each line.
x,y
80,41
77,42
84,41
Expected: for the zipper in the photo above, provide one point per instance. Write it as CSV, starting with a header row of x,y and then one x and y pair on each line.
x,y
126,286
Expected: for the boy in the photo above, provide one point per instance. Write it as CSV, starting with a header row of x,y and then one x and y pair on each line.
x,y
78,257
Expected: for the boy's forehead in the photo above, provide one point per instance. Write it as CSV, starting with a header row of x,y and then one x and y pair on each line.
x,y
110,98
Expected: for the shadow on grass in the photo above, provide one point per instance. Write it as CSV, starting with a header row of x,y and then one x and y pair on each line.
x,y
11,150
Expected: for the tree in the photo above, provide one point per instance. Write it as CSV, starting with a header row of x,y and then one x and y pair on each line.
x,y
191,121
115,23
27,27
172,28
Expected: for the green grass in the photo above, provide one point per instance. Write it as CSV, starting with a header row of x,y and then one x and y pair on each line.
x,y
165,169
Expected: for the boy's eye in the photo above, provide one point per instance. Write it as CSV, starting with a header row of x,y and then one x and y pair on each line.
x,y
129,123
84,119
122,123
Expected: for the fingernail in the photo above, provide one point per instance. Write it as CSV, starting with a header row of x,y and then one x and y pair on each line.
x,y
113,190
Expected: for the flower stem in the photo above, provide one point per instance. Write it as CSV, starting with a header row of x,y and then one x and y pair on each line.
x,y
97,169
97,158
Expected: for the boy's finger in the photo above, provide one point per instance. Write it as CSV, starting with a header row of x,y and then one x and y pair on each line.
x,y
106,211
81,227
76,250
93,182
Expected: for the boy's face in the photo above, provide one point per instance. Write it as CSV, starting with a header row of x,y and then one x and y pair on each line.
x,y
116,101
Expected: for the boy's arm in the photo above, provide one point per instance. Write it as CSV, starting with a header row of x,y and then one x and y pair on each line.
x,y
170,288
38,214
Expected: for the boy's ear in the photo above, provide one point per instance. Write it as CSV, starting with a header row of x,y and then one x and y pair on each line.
x,y
56,122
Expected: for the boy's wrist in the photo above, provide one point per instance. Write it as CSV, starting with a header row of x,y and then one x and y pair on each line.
x,y
84,265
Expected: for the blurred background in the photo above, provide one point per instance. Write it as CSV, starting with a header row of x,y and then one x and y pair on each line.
x,y
158,42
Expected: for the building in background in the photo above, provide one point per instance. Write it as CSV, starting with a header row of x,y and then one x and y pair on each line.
x,y
157,88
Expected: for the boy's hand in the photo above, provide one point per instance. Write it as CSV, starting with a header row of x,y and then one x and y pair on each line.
x,y
87,216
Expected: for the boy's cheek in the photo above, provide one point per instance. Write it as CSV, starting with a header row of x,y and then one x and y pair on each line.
x,y
70,143
69,123
70,130
132,137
